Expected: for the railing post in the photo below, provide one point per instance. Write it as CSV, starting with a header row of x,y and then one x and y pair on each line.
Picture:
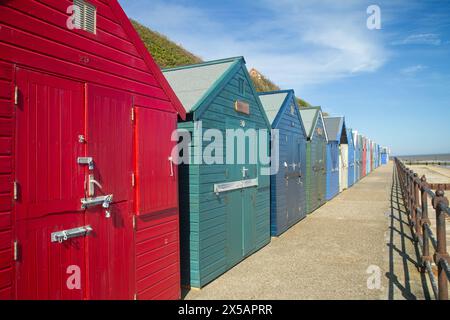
x,y
424,221
406,188
441,252
411,194
416,206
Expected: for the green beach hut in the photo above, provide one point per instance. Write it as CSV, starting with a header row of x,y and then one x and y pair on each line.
x,y
224,207
316,155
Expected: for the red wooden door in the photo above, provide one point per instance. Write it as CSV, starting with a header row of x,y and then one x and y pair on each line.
x,y
50,118
110,247
157,173
157,235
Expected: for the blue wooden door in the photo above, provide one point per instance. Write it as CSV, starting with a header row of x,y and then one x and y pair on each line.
x,y
294,180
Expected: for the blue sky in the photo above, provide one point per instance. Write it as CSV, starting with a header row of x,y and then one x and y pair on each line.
x,y
393,84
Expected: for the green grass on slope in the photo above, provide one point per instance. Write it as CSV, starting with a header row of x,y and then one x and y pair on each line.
x,y
262,84
168,54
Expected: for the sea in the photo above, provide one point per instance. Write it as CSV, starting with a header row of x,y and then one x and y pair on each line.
x,y
428,157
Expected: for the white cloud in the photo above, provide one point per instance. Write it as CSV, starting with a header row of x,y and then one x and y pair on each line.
x,y
412,70
420,39
310,43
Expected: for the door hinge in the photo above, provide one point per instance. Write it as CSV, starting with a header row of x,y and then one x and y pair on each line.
x,y
16,95
133,180
134,222
15,190
133,115
16,250
135,296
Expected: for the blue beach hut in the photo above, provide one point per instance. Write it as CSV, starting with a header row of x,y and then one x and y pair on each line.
x,y
384,156
369,156
287,187
375,155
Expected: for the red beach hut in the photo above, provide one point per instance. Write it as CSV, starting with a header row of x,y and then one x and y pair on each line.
x,y
88,192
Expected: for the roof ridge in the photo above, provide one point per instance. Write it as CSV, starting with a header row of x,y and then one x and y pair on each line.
x,y
312,108
334,117
275,92
203,64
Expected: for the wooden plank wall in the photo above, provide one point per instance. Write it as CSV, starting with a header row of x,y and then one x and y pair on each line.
x,y
208,238
6,178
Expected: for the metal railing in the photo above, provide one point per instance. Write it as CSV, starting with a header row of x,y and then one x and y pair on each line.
x,y
426,162
415,192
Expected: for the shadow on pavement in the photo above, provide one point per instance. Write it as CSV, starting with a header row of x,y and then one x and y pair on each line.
x,y
404,254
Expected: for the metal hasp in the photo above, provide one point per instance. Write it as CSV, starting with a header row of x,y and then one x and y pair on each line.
x,y
104,201
89,161
235,185
65,235
91,185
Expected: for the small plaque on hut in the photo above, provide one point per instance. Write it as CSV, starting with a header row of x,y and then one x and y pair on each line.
x,y
242,107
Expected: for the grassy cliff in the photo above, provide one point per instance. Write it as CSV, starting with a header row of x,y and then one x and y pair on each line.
x,y
168,54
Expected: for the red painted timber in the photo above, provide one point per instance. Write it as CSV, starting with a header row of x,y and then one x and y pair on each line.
x,y
72,83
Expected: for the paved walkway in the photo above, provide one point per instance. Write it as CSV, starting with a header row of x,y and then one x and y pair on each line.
x,y
329,254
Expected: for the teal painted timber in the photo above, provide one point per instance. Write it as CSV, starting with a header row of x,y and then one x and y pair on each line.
x,y
219,231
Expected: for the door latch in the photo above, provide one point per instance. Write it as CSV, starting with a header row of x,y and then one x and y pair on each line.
x,y
65,235
104,201
244,172
91,185
89,161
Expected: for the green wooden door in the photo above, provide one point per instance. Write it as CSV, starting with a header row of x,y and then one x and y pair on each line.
x,y
241,203
234,226
293,182
309,178
315,181
321,172
249,172
234,209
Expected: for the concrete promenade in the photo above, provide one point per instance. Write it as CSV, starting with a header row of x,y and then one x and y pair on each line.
x,y
357,246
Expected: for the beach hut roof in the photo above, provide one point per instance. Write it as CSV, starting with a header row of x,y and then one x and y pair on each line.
x,y
310,117
272,103
196,84
336,129
276,102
